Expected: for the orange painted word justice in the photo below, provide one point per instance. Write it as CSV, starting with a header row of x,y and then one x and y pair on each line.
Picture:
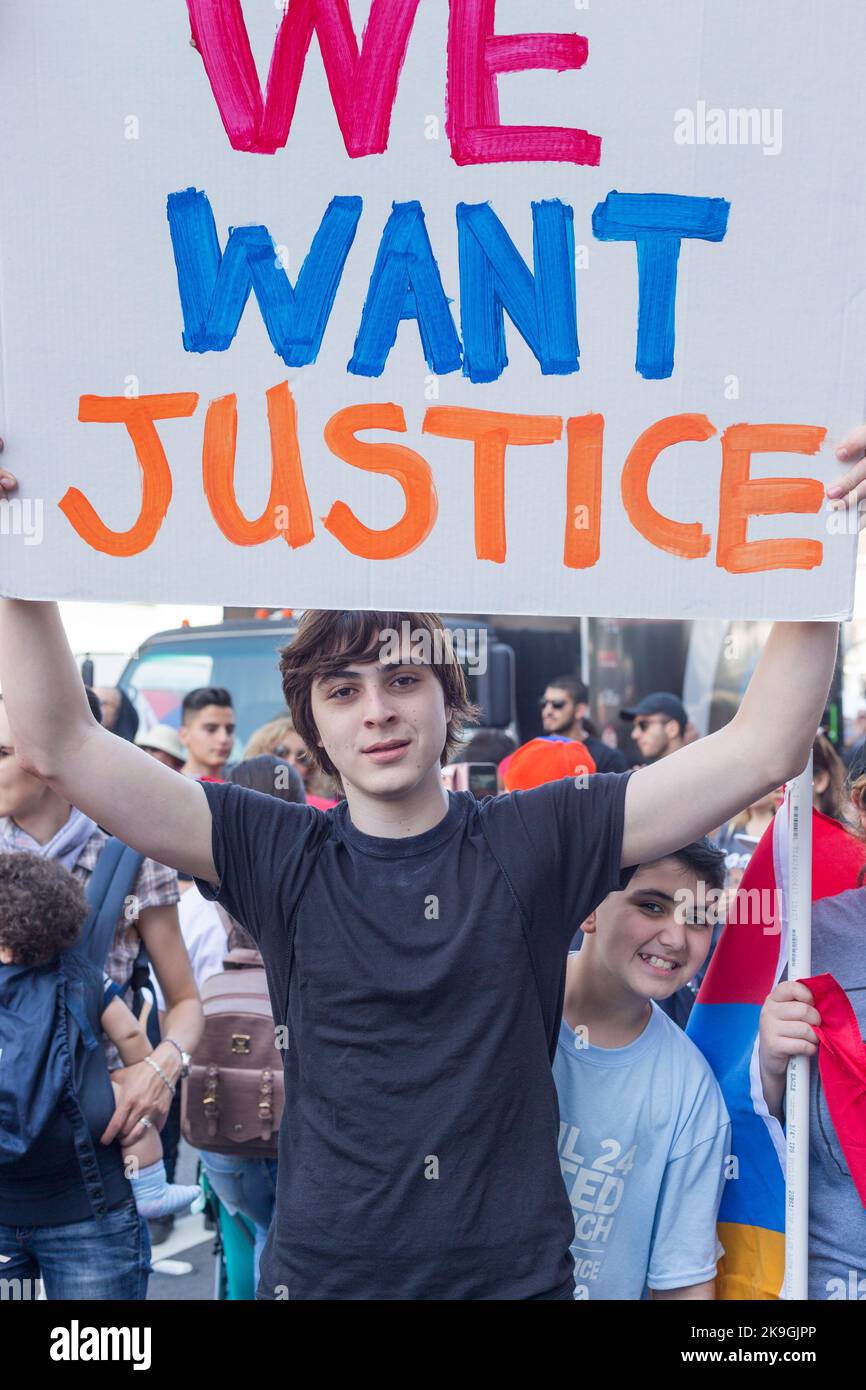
x,y
287,512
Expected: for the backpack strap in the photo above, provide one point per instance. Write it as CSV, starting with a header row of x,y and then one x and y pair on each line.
x,y
225,922
238,939
107,890
75,1007
70,1006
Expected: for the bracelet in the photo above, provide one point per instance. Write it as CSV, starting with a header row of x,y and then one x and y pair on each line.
x,y
185,1060
158,1069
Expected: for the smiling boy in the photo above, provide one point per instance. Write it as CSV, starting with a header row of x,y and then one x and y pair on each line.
x,y
643,1130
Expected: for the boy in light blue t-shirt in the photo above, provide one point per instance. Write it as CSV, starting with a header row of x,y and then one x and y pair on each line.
x,y
643,1132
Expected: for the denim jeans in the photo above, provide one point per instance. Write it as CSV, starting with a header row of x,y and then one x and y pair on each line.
x,y
104,1257
246,1185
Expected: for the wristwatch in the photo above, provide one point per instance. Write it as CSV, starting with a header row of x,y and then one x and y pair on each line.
x,y
185,1059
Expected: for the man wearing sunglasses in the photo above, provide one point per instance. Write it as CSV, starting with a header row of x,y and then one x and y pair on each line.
x,y
563,707
659,725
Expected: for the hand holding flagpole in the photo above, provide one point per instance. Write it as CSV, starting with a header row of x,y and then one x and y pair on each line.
x,y
798,807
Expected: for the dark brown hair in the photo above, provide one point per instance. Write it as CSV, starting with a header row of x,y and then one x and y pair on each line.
x,y
326,639
855,786
42,908
196,700
573,686
273,776
831,801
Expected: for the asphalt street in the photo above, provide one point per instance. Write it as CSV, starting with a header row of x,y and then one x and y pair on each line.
x,y
184,1265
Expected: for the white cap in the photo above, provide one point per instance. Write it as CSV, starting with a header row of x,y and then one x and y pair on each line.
x,y
164,738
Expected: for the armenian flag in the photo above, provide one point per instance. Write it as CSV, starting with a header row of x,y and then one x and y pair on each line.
x,y
748,963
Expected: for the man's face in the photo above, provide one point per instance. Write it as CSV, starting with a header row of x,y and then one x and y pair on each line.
x,y
558,710
109,698
20,791
655,936
653,734
382,726
209,735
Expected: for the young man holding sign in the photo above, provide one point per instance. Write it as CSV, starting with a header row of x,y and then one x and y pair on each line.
x,y
415,939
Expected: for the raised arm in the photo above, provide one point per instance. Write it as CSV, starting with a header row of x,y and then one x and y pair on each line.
x,y
157,811
767,742
690,792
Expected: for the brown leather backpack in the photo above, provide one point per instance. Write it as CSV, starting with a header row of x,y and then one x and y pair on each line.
x,y
232,1100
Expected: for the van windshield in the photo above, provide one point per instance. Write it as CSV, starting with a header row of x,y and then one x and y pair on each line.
x,y
247,666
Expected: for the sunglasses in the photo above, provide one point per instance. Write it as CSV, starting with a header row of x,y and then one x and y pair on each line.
x,y
281,751
644,724
557,704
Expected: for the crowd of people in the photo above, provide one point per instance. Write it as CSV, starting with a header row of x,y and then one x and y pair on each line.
x,y
163,937
487,1087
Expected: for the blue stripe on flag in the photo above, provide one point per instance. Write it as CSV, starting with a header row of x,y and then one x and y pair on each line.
x,y
726,1033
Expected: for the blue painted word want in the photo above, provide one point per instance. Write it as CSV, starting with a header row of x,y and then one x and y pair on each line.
x,y
405,283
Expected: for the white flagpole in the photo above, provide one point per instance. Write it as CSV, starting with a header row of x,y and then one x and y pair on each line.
x,y
799,807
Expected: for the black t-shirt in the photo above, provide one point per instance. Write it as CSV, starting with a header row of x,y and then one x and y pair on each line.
x,y
605,759
418,1147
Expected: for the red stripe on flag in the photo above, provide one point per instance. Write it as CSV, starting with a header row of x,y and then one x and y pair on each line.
x,y
744,964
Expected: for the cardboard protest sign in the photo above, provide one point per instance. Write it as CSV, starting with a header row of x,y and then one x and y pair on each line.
x,y
407,304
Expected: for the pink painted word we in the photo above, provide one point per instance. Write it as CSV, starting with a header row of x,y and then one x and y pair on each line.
x,y
363,81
